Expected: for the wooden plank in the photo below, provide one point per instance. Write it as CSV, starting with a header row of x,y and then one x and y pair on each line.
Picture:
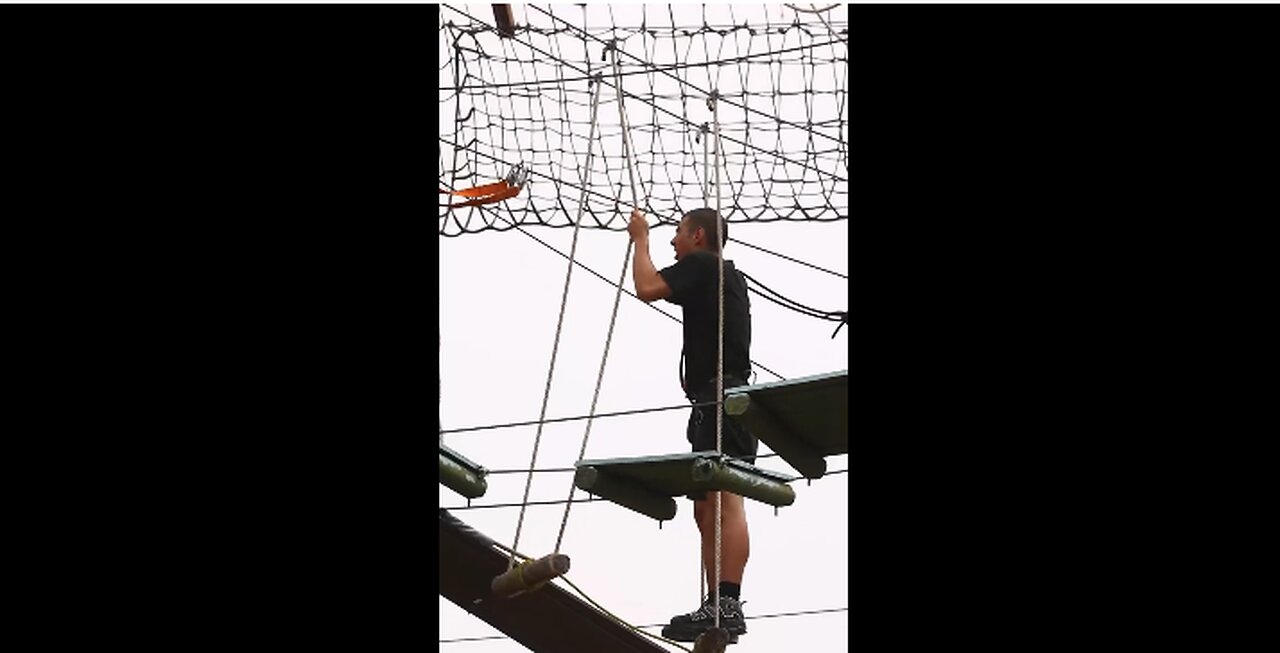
x,y
813,410
624,492
548,620
784,439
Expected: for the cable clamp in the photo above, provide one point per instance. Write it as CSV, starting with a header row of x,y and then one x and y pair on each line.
x,y
518,175
702,130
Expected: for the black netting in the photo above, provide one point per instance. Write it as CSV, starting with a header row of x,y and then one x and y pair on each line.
x,y
781,79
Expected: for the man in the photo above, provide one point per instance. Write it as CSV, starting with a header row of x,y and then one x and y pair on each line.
x,y
693,283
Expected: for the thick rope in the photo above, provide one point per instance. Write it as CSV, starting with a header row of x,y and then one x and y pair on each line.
x,y
627,147
706,164
617,297
555,346
706,199
715,116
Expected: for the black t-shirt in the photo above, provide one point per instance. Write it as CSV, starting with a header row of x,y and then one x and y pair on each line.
x,y
695,287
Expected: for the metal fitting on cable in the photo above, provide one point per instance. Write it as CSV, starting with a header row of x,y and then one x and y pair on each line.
x,y
711,99
702,131
613,45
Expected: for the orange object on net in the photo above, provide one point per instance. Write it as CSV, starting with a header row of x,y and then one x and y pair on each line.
x,y
495,192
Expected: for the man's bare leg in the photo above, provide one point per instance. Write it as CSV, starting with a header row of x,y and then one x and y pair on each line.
x,y
734,548
735,541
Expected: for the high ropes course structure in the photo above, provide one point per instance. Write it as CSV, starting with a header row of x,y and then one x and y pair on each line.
x,y
525,100
549,119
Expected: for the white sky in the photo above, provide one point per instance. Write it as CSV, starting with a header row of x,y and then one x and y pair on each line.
x,y
500,295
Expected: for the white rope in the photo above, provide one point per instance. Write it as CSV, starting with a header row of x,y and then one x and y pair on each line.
x,y
706,177
814,10
617,296
818,13
555,346
715,116
706,199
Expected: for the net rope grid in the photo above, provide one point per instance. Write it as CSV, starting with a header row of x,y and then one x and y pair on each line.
x,y
778,73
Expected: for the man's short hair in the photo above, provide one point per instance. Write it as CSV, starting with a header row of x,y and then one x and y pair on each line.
x,y
709,222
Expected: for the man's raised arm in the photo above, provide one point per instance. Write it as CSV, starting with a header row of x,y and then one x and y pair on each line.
x,y
650,286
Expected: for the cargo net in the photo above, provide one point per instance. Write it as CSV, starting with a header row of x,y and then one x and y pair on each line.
x,y
521,98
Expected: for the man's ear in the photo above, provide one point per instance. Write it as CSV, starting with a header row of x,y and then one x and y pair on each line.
x,y
700,236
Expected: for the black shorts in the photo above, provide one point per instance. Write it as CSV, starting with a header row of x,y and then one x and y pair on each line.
x,y
735,439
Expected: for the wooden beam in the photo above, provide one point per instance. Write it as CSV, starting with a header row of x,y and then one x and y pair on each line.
x,y
506,21
550,620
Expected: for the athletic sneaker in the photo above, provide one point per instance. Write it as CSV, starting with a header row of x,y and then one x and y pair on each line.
x,y
687,627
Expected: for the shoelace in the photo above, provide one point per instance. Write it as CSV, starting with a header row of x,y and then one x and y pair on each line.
x,y
730,607
704,612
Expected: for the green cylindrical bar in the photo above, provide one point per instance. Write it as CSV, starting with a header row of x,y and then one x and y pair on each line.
x,y
719,476
460,479
763,426
625,493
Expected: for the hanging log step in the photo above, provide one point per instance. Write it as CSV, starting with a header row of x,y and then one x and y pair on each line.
x,y
713,640
529,576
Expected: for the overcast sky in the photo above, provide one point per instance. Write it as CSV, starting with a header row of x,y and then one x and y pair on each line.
x,y
500,295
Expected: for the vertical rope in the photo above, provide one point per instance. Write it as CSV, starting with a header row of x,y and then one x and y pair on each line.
x,y
626,131
617,296
715,116
706,199
555,346
706,177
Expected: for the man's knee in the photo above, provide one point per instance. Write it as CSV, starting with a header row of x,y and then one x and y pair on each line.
x,y
731,506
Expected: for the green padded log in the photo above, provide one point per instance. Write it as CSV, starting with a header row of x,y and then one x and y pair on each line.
x,y
761,424
644,484
717,475
461,475
625,493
